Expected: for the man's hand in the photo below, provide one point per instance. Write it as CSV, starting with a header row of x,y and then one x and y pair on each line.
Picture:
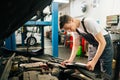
x,y
90,65
66,61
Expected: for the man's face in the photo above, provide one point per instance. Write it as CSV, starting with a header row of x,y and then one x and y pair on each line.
x,y
70,26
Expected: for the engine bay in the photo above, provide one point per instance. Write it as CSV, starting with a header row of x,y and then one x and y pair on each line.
x,y
20,65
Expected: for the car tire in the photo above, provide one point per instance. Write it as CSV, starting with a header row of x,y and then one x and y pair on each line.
x,y
31,41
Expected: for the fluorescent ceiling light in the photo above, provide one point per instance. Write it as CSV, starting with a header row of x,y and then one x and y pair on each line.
x,y
61,1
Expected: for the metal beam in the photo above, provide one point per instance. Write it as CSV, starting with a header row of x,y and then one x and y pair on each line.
x,y
37,23
10,42
55,29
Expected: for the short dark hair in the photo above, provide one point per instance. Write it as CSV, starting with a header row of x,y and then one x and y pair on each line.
x,y
64,19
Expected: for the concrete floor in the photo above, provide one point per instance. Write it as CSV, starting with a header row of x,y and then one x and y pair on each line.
x,y
63,52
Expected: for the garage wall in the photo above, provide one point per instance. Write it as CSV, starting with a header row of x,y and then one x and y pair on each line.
x,y
64,8
99,13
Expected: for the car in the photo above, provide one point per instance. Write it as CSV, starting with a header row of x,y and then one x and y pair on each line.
x,y
31,37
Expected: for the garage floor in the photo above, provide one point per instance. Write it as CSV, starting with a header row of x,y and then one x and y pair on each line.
x,y
63,52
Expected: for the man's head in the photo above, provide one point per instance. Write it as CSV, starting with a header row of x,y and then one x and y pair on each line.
x,y
63,20
67,23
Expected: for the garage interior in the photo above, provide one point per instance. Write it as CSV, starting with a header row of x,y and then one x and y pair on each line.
x,y
32,46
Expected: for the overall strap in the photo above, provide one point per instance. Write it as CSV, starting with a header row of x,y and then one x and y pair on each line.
x,y
89,37
84,25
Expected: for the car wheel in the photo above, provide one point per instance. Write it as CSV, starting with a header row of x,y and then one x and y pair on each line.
x,y
31,41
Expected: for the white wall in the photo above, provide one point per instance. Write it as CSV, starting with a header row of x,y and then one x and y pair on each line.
x,y
64,8
105,8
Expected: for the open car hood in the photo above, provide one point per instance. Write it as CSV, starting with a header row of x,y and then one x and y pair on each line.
x,y
14,13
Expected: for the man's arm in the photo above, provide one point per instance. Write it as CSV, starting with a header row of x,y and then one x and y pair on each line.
x,y
76,44
102,43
